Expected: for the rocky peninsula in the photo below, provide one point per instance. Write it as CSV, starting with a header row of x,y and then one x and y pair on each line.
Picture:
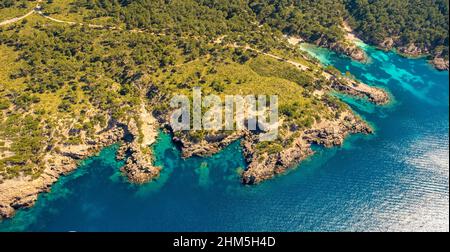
x,y
265,163
264,160
63,158
437,59
63,106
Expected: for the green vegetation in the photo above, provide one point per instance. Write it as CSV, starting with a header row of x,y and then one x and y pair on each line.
x,y
13,8
62,82
310,19
423,23
266,66
13,3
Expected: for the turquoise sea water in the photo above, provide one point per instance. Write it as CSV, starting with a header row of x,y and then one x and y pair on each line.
x,y
394,180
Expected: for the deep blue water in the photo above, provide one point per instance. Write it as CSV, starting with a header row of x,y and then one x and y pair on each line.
x,y
394,180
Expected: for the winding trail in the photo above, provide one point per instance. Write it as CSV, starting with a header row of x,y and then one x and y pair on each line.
x,y
13,20
36,8
75,23
351,84
54,19
345,84
294,63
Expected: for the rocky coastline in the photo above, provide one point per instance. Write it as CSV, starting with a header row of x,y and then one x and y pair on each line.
x,y
22,192
347,48
327,133
263,165
355,88
140,131
437,60
61,159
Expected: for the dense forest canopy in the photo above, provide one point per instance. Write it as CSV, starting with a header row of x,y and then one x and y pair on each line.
x,y
53,71
58,76
421,22
13,3
7,3
308,18
199,17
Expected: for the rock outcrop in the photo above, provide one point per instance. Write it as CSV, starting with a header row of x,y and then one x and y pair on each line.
x,y
350,50
207,147
354,88
62,159
347,48
440,63
412,50
387,44
139,167
263,166
23,191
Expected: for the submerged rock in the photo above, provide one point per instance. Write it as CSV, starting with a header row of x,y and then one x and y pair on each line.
x,y
139,167
263,166
22,192
344,47
440,63
355,88
62,158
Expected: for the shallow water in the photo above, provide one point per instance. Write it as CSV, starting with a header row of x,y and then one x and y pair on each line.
x,y
394,180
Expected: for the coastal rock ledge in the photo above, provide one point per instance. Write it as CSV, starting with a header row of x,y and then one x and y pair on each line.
x,y
263,166
61,159
22,192
139,167
140,132
440,64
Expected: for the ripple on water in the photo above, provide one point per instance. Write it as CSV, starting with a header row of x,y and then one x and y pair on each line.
x,y
394,180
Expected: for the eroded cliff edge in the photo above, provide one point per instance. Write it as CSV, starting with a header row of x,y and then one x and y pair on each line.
x,y
438,59
69,142
63,158
265,159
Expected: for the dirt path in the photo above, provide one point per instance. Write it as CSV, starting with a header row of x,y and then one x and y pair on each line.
x,y
54,19
350,35
16,19
75,23
37,9
294,63
357,86
13,20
